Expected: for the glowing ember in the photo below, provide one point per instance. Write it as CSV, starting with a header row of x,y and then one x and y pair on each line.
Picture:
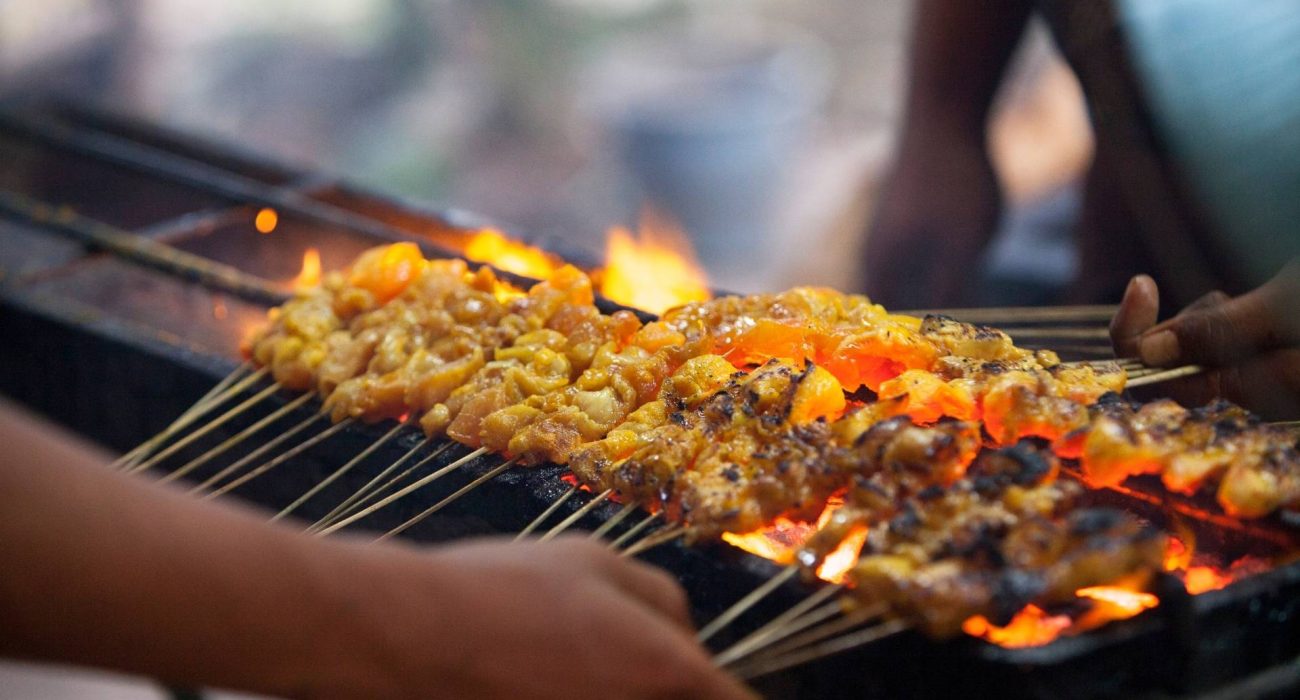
x,y
837,564
1119,603
492,247
1031,627
309,276
654,269
1196,578
266,220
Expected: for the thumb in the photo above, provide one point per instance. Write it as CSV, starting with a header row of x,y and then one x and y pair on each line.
x,y
1230,331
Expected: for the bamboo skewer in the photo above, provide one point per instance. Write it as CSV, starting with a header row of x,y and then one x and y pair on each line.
x,y
213,425
1063,332
651,541
184,419
286,456
403,492
347,466
1023,314
783,625
387,487
235,440
576,515
1165,376
359,495
763,667
614,520
550,510
490,475
256,454
748,601
634,530
847,622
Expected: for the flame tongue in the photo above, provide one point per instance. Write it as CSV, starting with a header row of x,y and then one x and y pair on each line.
x,y
655,270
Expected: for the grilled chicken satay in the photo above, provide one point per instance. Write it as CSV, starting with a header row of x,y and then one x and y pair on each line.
x,y
731,459
1002,538
293,342
1256,466
888,462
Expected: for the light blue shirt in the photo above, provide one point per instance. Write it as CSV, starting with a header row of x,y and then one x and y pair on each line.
x,y
1222,80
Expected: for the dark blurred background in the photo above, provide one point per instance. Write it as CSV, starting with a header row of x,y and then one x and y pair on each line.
x,y
763,127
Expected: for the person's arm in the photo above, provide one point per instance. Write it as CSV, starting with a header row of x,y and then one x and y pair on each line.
x,y
942,201
1250,343
107,570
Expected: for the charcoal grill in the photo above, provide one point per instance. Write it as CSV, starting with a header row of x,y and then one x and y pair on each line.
x,y
130,269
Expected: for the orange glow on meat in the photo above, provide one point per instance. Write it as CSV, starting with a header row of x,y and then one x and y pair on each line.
x,y
386,271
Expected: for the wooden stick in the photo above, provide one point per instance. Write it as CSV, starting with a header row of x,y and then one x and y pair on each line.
x,y
613,522
766,666
257,453
1063,332
401,493
490,475
213,425
783,625
286,456
347,466
576,515
1165,376
387,487
357,497
1024,314
1103,349
235,440
184,419
848,621
663,536
550,510
634,530
748,601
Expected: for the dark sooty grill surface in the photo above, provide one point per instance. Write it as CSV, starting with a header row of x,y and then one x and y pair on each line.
x,y
116,351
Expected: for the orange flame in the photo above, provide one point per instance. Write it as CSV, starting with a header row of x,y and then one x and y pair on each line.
x,y
492,247
1118,602
265,220
309,276
654,269
1030,627
835,567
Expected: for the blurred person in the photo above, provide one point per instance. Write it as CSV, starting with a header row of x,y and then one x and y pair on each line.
x,y
1195,105
107,570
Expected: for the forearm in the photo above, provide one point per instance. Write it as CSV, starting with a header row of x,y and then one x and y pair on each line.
x,y
107,570
960,50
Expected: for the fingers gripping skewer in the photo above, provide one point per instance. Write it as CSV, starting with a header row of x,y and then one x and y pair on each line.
x,y
613,522
663,536
257,453
834,646
634,530
750,600
216,423
404,491
550,510
236,439
204,403
343,508
577,515
289,454
783,625
347,466
490,475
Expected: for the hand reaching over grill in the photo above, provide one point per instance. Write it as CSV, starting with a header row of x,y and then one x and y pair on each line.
x,y
1250,343
561,619
101,569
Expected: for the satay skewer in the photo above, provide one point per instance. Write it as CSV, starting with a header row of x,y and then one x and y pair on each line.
x,y
635,530
236,439
286,456
256,454
490,475
205,402
1166,375
577,515
546,514
1023,314
655,539
614,520
359,495
338,473
793,620
401,493
207,428
745,603
388,486
767,665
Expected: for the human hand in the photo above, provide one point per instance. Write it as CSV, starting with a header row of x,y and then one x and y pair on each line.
x,y
934,218
1250,344
563,619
